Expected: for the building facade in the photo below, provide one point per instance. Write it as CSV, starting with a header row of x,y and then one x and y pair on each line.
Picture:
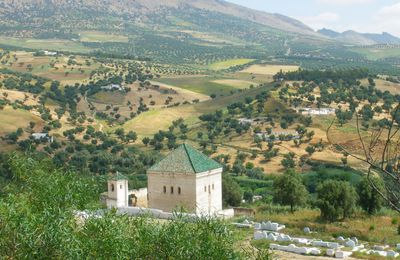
x,y
186,180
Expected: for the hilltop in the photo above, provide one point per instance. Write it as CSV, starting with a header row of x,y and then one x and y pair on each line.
x,y
357,38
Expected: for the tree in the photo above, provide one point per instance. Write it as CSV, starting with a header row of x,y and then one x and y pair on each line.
x,y
289,190
336,199
369,199
288,162
231,193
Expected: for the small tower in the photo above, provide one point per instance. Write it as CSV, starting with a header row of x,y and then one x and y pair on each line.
x,y
117,196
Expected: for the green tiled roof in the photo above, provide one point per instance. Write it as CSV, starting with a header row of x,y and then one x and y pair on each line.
x,y
118,177
185,159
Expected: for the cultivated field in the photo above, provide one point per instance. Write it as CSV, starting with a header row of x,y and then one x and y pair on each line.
x,y
47,44
96,36
229,63
267,69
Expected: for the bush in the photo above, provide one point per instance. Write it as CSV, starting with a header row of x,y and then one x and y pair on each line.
x,y
289,190
336,199
370,200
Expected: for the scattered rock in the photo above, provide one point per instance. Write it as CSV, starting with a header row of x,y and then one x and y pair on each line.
x,y
392,253
350,243
341,239
330,252
342,254
307,230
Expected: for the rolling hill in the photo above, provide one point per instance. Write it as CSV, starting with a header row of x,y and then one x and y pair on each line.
x,y
353,37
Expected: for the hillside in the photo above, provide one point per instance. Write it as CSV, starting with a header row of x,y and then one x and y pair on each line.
x,y
353,37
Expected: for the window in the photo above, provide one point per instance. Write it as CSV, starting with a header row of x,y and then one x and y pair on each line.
x,y
213,186
209,189
120,186
112,187
165,189
205,188
179,190
172,190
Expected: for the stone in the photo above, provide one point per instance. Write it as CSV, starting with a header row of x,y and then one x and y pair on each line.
x,y
350,243
341,239
355,240
272,237
342,254
257,226
330,252
307,230
242,225
357,248
315,251
333,245
378,248
301,241
246,221
259,235
398,246
392,253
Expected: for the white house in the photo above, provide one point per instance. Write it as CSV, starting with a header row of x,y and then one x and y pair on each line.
x,y
317,111
113,87
185,180
42,136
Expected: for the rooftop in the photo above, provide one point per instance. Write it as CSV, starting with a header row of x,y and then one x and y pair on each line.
x,y
185,159
118,177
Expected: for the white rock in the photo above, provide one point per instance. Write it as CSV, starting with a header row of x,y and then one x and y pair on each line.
x,y
355,240
246,221
301,241
241,225
307,230
259,235
272,237
341,239
330,252
398,246
357,248
333,245
392,253
315,251
350,243
257,226
342,254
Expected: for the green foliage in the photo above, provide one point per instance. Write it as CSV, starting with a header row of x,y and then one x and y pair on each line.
x,y
336,199
289,190
370,200
37,221
231,192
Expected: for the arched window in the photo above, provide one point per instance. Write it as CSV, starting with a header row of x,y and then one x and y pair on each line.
x,y
179,190
165,189
112,187
172,190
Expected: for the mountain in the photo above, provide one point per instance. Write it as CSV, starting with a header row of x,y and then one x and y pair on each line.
x,y
353,37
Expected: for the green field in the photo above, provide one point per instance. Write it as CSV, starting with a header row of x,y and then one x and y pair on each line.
x,y
203,85
50,44
376,54
229,63
95,36
11,119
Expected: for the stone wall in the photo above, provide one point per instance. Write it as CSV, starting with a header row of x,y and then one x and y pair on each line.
x,y
209,192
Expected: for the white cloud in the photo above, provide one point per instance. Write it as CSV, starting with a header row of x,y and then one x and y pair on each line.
x,y
387,19
344,2
321,20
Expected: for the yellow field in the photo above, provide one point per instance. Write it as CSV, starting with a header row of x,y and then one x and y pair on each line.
x,y
11,120
239,84
149,123
229,63
384,85
267,69
184,93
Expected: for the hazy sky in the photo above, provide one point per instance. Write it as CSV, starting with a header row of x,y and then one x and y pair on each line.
x,y
341,15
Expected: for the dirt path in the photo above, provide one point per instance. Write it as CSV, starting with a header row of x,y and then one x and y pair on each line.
x,y
289,256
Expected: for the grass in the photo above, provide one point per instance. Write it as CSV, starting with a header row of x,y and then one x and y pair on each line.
x,y
96,36
221,65
203,85
104,97
11,119
373,53
45,44
359,226
268,69
238,84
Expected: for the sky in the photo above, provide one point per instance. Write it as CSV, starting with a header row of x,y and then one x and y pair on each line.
x,y
373,16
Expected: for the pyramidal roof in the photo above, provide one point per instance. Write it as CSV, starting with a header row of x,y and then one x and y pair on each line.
x,y
185,159
118,177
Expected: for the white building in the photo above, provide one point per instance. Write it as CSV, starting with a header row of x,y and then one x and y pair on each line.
x,y
317,111
113,87
42,136
185,180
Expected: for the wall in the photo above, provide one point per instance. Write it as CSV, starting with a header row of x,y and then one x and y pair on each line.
x,y
138,198
171,201
209,192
